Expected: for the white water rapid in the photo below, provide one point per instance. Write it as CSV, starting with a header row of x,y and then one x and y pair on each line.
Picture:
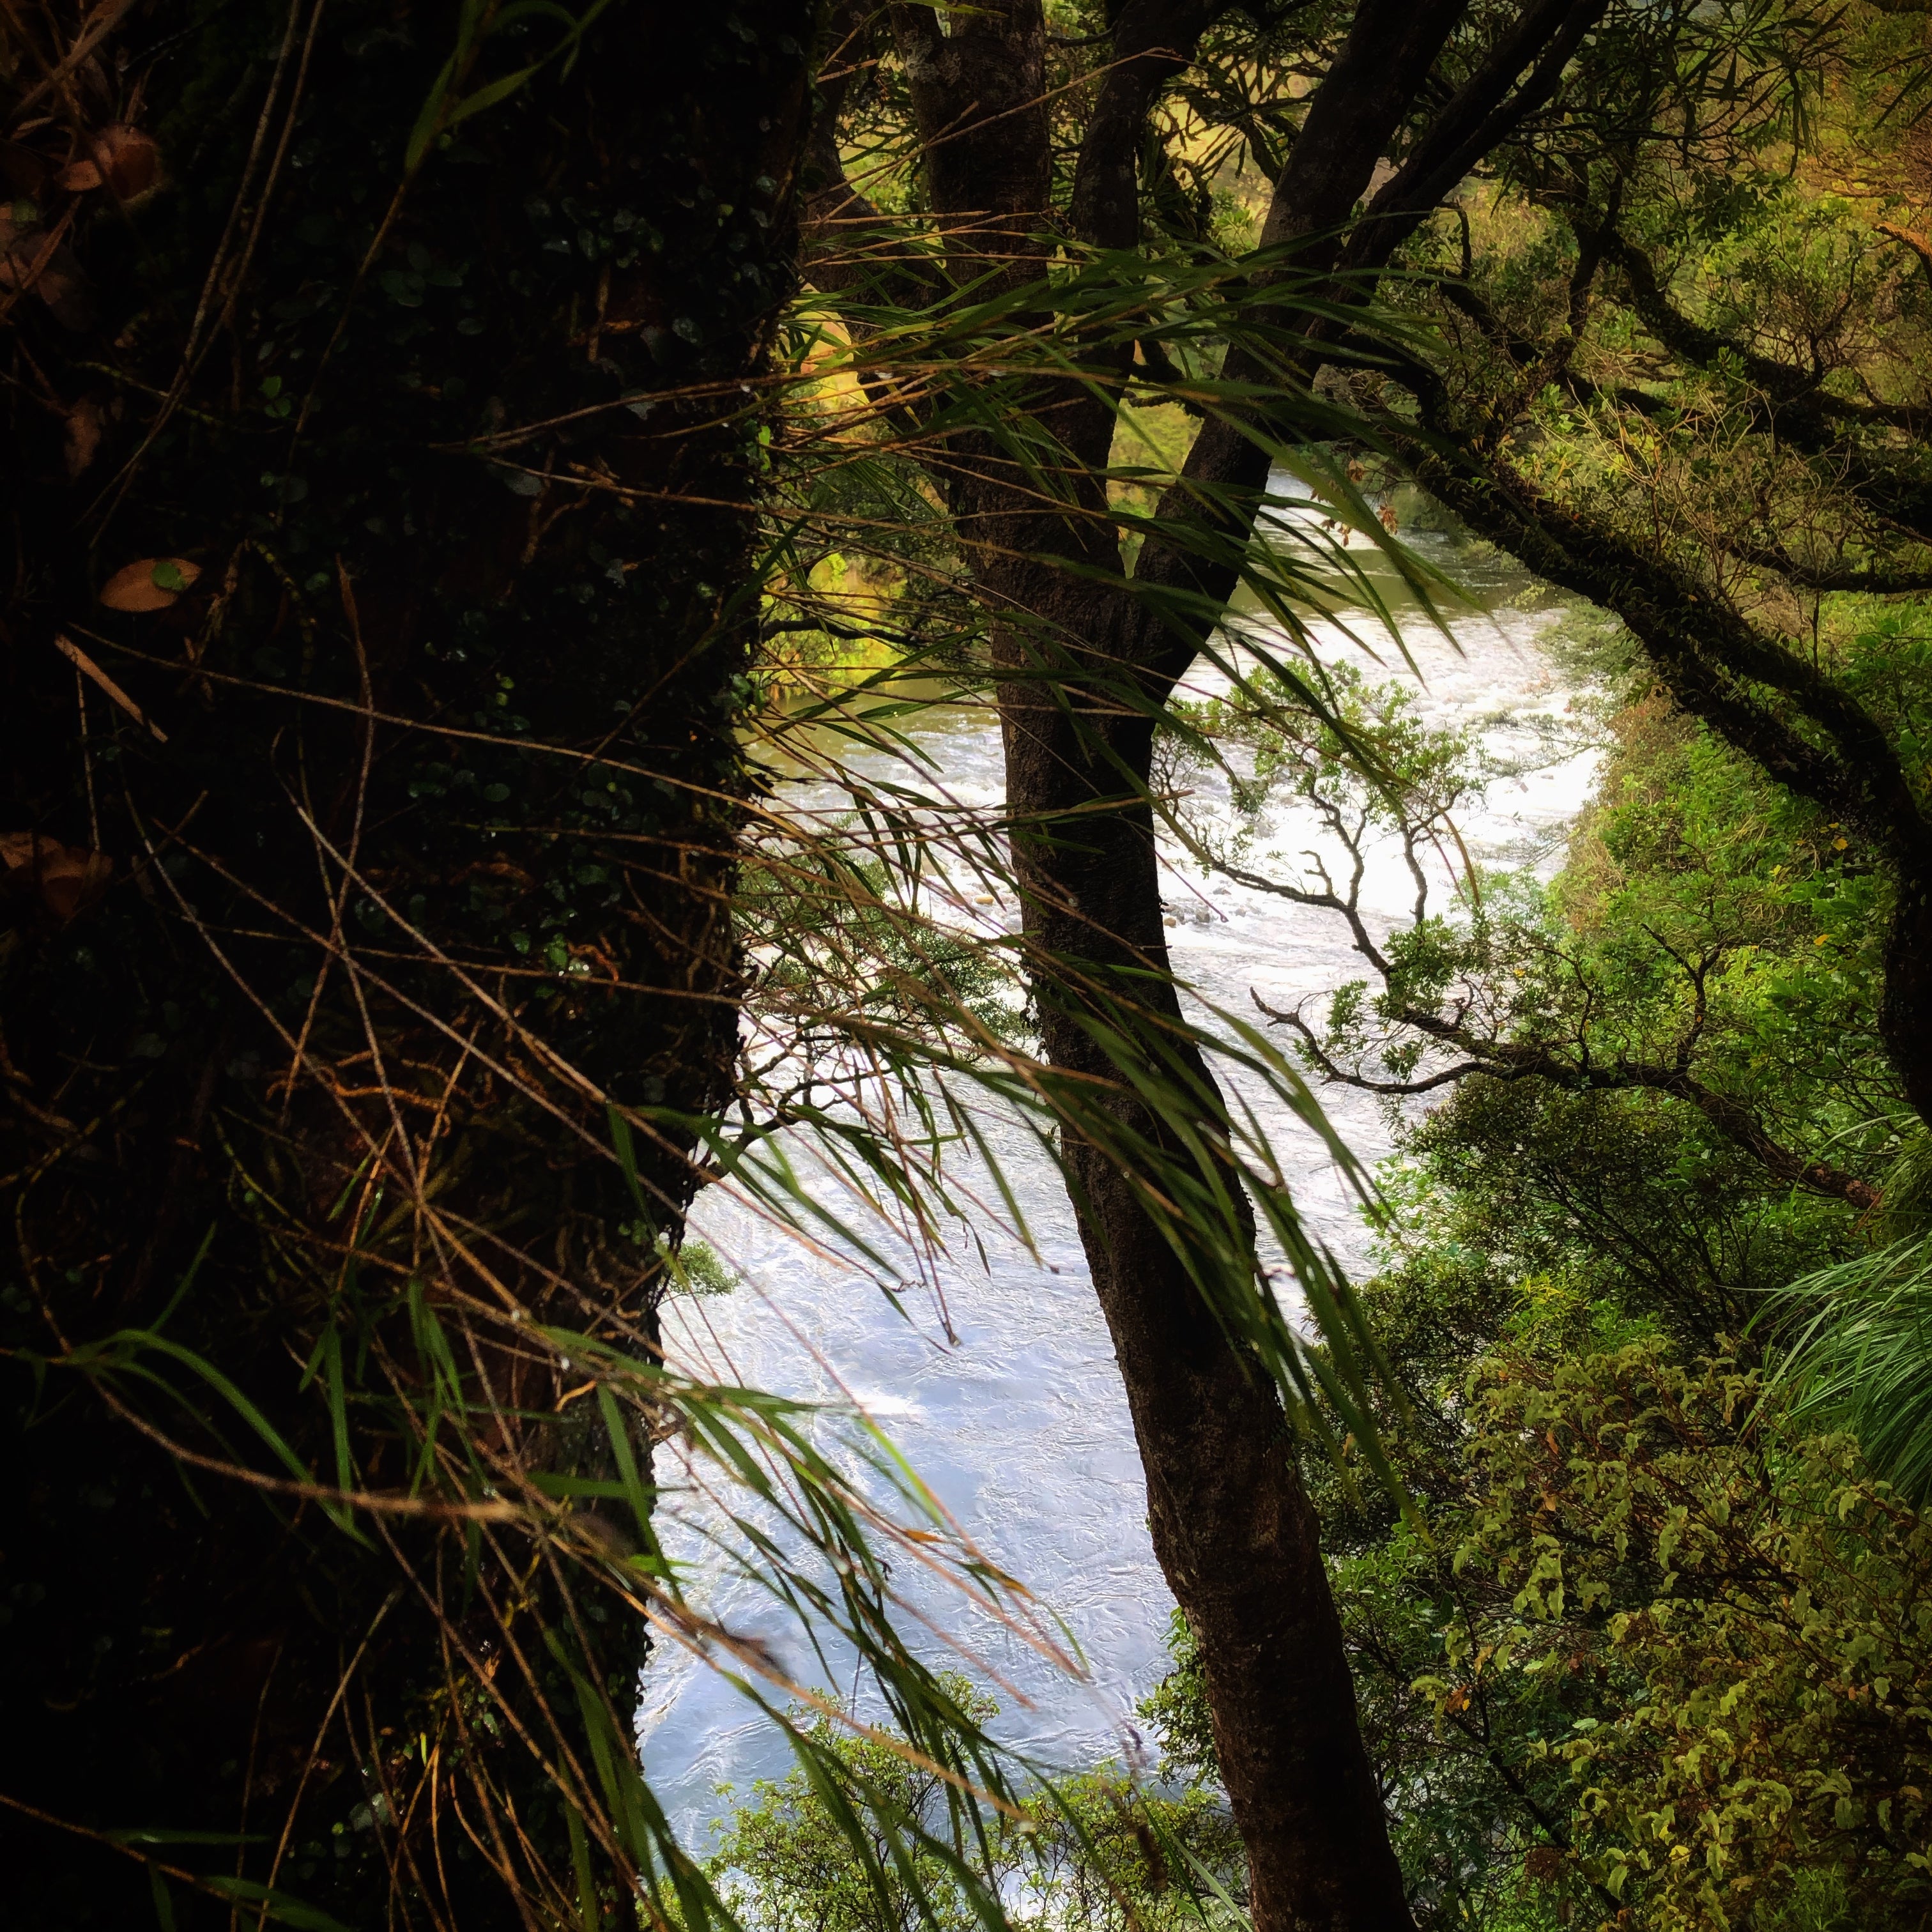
x,y
1019,1424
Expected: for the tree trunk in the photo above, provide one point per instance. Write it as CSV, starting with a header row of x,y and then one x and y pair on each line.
x,y
1233,1529
360,861
1085,668
1905,1011
1236,1537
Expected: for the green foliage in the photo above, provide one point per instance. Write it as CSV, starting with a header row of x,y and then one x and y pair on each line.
x,y
1469,1814
1639,1058
1363,755
1853,1351
1542,1234
1743,1607
696,1268
1178,1709
1706,921
467,488
1479,1822
1670,1651
1691,854
1089,1853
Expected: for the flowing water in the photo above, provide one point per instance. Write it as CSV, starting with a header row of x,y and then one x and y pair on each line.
x,y
1016,1419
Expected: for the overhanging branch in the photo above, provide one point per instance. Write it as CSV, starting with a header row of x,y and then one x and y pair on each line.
x,y
1513,1061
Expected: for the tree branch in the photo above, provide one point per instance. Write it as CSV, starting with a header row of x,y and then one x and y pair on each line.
x,y
1919,245
1511,1060
832,208
1872,582
1350,123
1482,112
1798,395
1707,655
1373,82
1153,41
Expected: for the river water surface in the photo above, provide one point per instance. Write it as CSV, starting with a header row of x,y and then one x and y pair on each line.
x,y
1018,1421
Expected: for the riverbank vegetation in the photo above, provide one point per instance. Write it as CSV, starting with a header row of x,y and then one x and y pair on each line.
x,y
1646,1647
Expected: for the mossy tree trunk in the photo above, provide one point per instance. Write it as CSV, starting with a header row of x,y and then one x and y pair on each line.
x,y
350,885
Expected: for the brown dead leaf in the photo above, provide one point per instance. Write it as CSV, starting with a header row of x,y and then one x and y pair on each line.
x,y
63,879
152,584
62,284
120,158
1543,1864
30,258
81,436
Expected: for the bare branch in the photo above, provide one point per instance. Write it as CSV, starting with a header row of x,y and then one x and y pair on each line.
x,y
1513,1059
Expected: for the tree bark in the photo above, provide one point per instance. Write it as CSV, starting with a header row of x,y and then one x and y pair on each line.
x,y
355,872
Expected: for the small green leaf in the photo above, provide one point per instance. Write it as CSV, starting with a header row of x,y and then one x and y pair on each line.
x,y
279,1906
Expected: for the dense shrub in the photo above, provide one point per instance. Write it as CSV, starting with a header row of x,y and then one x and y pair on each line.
x,y
1748,1609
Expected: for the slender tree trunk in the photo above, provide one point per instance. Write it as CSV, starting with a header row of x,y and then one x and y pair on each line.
x,y
1236,1537
1085,669
1905,1011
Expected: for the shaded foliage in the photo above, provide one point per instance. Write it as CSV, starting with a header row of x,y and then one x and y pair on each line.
x,y
1091,1853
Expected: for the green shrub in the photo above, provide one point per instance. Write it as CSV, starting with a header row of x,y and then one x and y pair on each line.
x,y
1093,1854
1748,1610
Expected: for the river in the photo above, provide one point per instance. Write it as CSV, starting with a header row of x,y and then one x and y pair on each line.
x,y
1018,1422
